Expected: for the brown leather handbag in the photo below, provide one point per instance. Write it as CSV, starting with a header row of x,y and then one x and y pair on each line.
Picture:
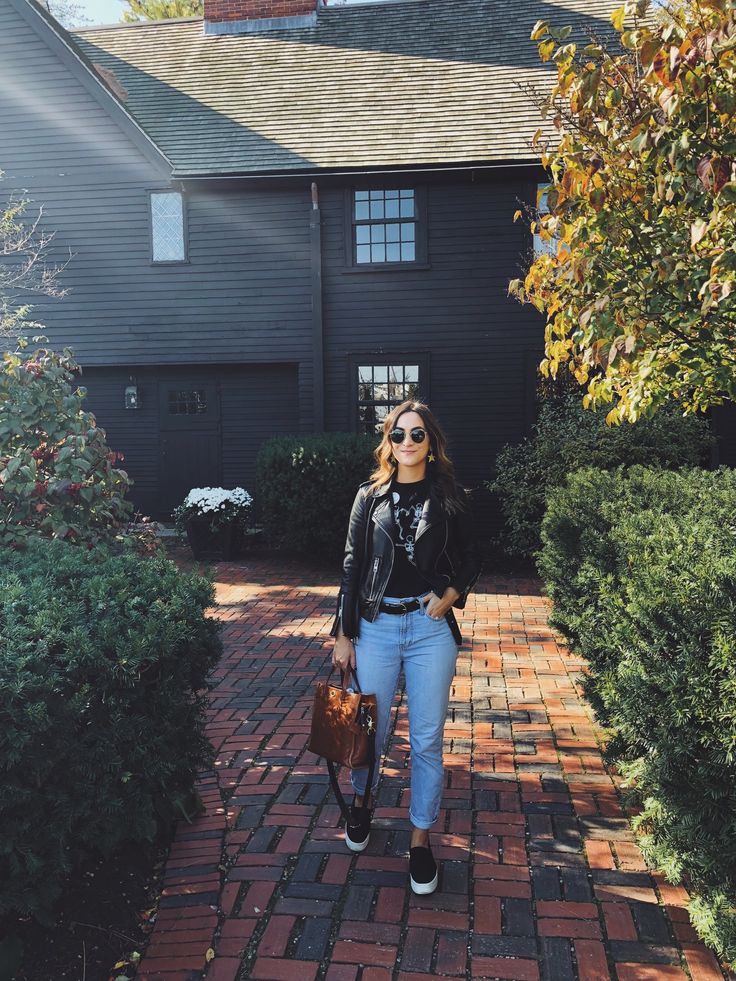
x,y
344,730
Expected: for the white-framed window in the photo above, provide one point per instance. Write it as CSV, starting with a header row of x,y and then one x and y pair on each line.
x,y
167,226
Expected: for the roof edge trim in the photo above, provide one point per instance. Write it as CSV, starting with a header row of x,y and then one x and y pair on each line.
x,y
529,162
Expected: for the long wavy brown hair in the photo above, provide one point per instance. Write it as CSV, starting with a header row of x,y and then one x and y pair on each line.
x,y
440,470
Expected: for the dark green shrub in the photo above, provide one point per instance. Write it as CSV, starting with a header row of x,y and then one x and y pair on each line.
x,y
306,486
57,474
567,437
641,566
103,666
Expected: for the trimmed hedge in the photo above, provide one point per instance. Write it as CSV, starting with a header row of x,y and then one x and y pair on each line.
x,y
567,437
306,486
641,567
103,666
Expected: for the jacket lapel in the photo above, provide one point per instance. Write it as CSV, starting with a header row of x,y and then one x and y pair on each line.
x,y
383,513
432,514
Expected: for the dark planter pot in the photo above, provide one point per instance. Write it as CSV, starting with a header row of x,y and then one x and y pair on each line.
x,y
225,543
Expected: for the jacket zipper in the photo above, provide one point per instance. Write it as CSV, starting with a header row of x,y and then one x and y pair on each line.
x,y
376,563
391,567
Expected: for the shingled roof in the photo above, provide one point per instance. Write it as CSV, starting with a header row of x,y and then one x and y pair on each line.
x,y
396,84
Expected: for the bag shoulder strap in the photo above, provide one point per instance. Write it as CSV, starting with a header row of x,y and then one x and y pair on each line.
x,y
345,810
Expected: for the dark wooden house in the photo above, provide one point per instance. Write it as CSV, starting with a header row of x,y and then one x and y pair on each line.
x,y
285,217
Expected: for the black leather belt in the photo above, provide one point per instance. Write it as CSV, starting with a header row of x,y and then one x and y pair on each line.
x,y
400,608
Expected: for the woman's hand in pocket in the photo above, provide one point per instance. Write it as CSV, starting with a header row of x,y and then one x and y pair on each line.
x,y
436,607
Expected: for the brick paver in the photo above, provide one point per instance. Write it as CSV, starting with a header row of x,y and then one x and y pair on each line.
x,y
541,878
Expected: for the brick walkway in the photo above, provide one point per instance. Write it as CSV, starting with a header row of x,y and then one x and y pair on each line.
x,y
540,876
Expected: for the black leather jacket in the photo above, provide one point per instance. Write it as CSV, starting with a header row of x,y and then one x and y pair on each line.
x,y
445,553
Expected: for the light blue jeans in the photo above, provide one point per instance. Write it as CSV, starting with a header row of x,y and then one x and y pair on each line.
x,y
427,651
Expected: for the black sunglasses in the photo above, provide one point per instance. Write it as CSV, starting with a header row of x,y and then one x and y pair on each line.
x,y
418,435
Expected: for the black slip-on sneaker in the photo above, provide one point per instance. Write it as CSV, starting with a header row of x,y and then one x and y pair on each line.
x,y
358,828
423,873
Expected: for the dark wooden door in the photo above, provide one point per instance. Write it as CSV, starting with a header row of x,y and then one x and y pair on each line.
x,y
191,444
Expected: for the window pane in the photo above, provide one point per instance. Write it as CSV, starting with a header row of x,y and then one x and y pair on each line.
x,y
391,195
167,227
407,207
380,373
365,373
376,195
364,253
378,253
407,252
396,373
392,233
378,234
407,193
407,231
392,208
361,195
411,372
393,253
187,403
362,234
364,393
376,209
412,391
381,412
380,393
396,393
361,211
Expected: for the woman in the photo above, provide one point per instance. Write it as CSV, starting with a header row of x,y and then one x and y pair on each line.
x,y
410,556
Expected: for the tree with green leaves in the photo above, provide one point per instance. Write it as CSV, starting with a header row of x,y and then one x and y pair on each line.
x,y
638,282
141,10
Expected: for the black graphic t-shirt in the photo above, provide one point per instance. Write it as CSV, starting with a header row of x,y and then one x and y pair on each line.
x,y
407,501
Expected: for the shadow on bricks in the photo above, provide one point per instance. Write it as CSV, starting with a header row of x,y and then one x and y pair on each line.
x,y
540,874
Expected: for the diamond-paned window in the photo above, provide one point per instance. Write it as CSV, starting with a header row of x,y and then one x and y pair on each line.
x,y
187,402
167,226
380,388
384,226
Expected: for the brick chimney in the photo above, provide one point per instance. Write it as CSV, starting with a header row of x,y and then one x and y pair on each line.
x,y
250,16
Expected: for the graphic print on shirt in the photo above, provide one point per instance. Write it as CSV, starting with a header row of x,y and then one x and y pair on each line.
x,y
407,521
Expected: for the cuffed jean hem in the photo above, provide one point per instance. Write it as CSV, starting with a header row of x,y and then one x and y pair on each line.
x,y
418,824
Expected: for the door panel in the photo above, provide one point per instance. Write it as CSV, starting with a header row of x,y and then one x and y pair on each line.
x,y
189,458
189,420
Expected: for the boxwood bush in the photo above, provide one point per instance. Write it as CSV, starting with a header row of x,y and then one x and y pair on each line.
x,y
103,666
306,486
641,567
567,437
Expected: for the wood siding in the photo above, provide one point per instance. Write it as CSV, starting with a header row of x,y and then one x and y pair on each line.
x,y
247,404
481,346
239,314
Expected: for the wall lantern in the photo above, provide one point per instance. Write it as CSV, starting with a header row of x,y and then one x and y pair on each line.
x,y
131,395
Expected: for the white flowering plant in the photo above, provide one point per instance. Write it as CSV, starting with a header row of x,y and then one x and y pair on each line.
x,y
221,506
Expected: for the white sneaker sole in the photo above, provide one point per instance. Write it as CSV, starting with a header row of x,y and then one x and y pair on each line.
x,y
424,888
357,846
